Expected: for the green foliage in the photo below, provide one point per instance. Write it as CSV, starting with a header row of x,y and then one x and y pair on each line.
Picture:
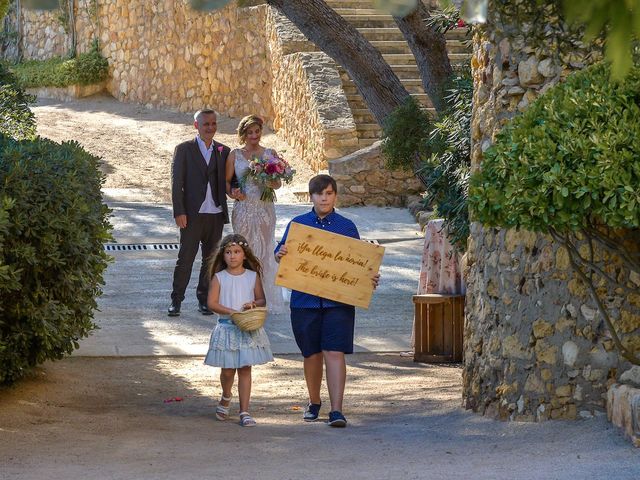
x,y
572,157
207,5
85,69
405,136
446,19
41,4
63,15
620,19
52,228
445,173
4,8
397,8
16,119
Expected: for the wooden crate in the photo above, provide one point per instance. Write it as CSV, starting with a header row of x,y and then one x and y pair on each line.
x,y
438,327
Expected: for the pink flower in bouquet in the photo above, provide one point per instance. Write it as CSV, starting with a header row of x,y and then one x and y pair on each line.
x,y
271,168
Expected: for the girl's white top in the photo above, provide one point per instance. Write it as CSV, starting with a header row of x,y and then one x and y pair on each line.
x,y
236,290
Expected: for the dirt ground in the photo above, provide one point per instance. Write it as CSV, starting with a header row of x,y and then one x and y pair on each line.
x,y
154,417
137,143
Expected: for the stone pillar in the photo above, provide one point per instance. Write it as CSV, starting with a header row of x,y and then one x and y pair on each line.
x,y
535,345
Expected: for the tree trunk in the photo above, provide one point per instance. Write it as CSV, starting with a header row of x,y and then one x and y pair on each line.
x,y
72,29
377,83
429,47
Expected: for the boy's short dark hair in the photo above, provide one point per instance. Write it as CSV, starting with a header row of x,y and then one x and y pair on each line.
x,y
318,183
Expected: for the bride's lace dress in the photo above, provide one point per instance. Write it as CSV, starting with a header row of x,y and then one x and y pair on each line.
x,y
256,221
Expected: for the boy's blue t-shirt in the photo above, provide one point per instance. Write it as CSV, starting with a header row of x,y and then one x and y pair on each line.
x,y
334,223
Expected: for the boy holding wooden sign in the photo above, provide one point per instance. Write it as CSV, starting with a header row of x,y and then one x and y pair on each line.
x,y
324,328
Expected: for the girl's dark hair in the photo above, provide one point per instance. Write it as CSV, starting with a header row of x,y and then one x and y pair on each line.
x,y
318,183
217,263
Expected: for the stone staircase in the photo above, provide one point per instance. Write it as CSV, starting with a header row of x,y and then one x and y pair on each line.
x,y
382,32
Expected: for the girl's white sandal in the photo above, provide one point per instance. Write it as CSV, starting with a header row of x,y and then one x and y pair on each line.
x,y
247,420
222,412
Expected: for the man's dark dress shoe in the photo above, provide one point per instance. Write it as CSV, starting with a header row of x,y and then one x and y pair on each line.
x,y
174,309
203,309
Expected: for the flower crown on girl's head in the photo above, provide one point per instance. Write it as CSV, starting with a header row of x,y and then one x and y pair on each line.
x,y
228,244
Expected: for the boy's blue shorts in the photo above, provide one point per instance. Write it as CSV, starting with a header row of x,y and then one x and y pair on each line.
x,y
323,329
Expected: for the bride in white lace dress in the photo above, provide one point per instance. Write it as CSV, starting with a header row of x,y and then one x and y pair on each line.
x,y
251,217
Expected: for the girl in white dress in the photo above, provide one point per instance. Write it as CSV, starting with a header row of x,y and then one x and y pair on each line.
x,y
235,286
251,217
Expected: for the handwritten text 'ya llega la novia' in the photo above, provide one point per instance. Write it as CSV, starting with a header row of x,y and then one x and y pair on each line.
x,y
319,251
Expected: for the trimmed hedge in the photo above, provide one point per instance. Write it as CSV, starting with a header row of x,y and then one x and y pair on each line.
x,y
52,228
16,119
571,157
85,69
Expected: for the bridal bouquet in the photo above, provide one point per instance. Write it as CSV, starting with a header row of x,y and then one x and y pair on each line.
x,y
265,169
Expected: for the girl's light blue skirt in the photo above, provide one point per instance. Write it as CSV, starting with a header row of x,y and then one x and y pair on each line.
x,y
230,347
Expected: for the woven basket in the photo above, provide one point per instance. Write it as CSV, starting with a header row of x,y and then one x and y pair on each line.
x,y
250,320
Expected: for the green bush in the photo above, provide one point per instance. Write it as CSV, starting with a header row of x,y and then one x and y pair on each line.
x,y
16,119
52,228
85,69
405,136
445,173
438,152
572,156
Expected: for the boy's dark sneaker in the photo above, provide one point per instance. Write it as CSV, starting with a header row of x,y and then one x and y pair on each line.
x,y
336,419
311,412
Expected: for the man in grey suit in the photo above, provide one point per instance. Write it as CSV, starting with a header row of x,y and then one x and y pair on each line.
x,y
198,191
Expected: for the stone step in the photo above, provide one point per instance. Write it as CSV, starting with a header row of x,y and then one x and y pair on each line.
x,y
403,72
373,20
408,58
369,130
394,33
412,85
391,46
364,115
356,3
356,101
356,11
349,3
454,47
365,142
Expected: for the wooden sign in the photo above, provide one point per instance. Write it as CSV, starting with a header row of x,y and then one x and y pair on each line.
x,y
329,265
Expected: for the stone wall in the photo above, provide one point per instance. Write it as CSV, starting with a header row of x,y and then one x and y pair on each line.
x,y
535,346
164,54
43,35
363,180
